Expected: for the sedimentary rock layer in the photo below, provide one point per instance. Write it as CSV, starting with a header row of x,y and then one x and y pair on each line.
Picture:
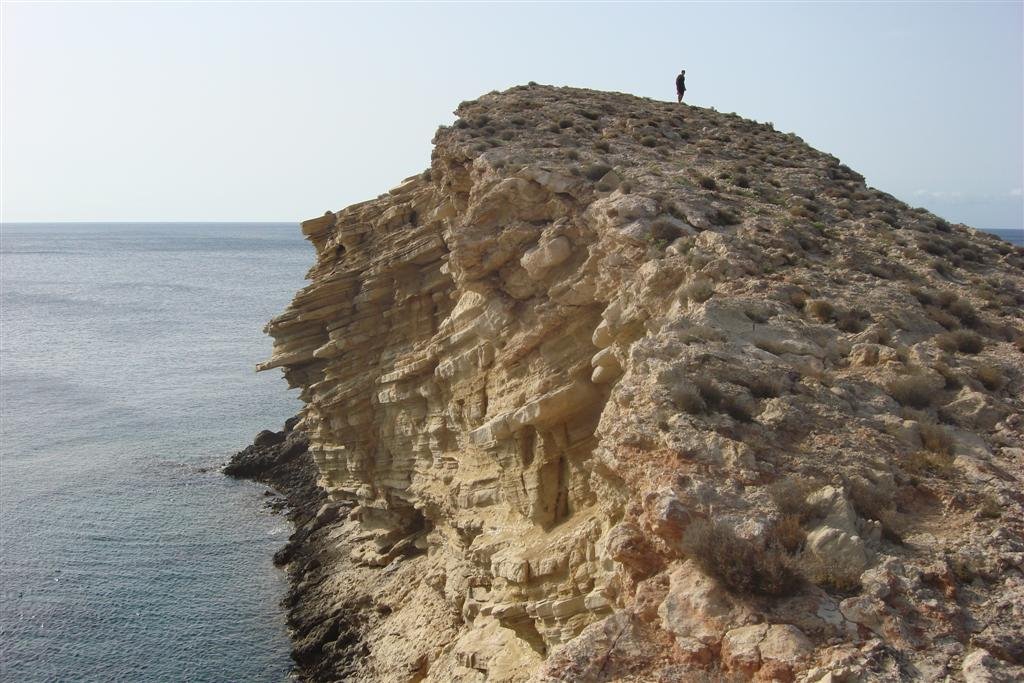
x,y
624,390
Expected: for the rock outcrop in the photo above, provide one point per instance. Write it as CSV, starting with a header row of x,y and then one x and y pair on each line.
x,y
625,390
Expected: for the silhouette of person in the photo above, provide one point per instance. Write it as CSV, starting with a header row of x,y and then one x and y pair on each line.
x,y
681,85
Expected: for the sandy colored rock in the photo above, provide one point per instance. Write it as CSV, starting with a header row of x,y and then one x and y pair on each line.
x,y
598,318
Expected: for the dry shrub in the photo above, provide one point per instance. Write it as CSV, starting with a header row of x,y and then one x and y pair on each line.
x,y
942,268
928,462
990,377
685,397
943,318
770,345
952,379
700,290
790,497
965,312
936,439
989,507
820,309
664,230
770,386
912,390
797,297
723,217
851,320
963,341
828,573
737,409
925,297
740,565
869,503
707,183
788,532
595,172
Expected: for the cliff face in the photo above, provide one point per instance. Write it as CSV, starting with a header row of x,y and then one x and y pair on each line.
x,y
624,390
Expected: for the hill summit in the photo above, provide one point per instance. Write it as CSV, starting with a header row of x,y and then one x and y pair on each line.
x,y
627,390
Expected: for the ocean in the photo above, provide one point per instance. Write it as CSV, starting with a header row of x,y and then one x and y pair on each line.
x,y
126,380
1011,235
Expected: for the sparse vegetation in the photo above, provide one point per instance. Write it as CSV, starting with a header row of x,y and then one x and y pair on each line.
x,y
766,386
870,503
595,172
914,391
790,497
851,319
687,398
740,565
963,341
788,532
707,182
928,462
820,309
664,231
700,289
723,217
989,507
990,377
828,573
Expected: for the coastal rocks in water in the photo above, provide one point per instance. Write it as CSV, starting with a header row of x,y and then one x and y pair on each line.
x,y
600,324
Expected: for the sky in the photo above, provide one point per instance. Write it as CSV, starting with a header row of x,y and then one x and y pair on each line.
x,y
208,111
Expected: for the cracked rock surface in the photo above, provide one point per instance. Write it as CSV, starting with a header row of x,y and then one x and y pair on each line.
x,y
625,390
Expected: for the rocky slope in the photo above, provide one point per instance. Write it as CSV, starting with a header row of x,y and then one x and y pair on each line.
x,y
626,390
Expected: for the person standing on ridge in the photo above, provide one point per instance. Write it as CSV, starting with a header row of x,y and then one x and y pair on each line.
x,y
681,85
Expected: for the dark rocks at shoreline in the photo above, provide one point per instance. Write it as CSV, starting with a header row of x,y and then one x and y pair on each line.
x,y
326,639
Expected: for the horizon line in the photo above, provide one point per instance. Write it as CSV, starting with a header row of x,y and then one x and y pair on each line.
x,y
149,220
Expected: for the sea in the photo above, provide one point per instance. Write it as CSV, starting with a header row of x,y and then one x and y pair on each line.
x,y
127,356
126,380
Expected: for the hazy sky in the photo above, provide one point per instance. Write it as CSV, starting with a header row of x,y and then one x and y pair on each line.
x,y
245,111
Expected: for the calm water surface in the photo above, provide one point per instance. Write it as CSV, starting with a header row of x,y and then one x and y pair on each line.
x,y
126,372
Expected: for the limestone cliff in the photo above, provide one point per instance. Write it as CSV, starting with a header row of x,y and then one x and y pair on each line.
x,y
625,390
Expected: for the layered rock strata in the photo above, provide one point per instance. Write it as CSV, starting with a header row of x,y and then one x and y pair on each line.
x,y
624,390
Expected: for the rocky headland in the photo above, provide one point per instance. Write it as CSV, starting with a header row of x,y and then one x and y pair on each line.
x,y
623,390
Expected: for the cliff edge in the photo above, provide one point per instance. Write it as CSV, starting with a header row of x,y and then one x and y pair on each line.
x,y
627,390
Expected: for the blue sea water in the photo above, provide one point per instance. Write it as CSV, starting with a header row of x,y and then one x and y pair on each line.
x,y
126,379
1011,235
